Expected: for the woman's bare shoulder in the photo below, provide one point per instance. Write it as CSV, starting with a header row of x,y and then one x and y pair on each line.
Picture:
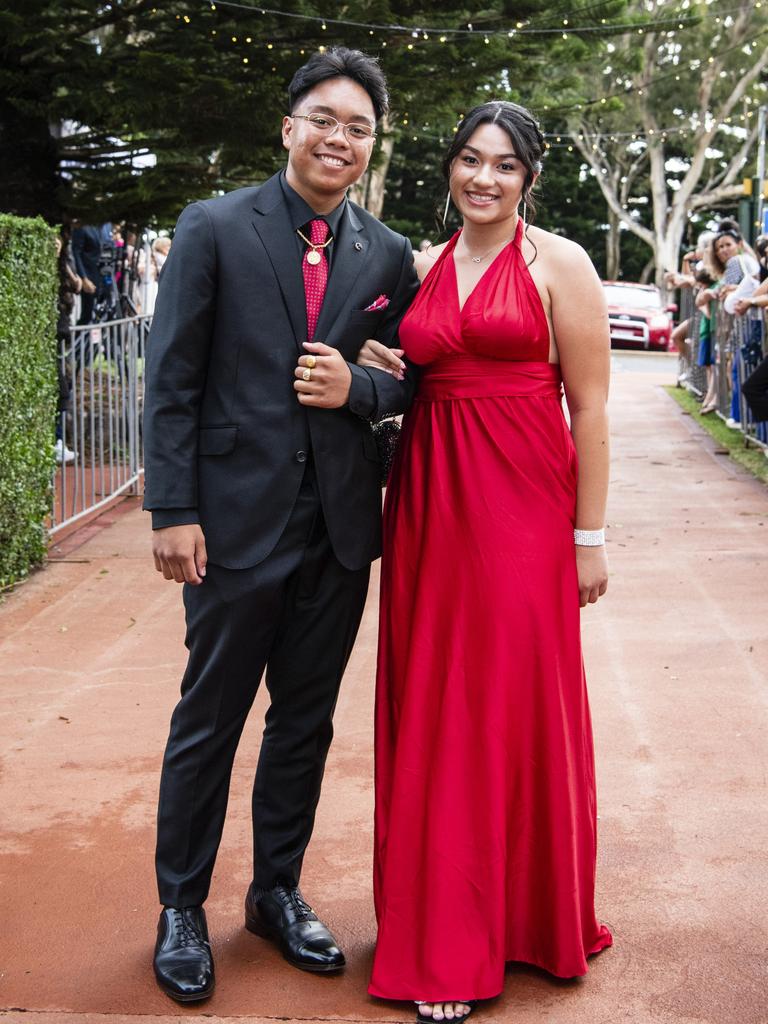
x,y
424,261
555,247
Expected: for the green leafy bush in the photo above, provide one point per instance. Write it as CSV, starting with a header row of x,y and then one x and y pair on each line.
x,y
28,390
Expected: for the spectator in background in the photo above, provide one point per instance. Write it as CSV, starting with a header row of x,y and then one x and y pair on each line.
x,y
733,262
87,242
86,249
119,243
691,264
706,353
729,224
151,270
70,285
755,387
692,261
759,299
761,251
160,249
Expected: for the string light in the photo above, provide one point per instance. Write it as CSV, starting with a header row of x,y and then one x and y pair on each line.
x,y
528,27
444,34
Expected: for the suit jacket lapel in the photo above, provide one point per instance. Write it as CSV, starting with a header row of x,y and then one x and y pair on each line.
x,y
348,260
273,226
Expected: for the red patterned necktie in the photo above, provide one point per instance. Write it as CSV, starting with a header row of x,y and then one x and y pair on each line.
x,y
315,275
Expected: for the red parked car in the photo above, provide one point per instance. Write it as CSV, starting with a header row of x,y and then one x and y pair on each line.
x,y
637,316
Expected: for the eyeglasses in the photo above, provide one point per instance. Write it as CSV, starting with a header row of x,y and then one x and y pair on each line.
x,y
328,125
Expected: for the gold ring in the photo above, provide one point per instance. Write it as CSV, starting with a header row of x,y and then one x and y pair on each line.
x,y
311,362
307,374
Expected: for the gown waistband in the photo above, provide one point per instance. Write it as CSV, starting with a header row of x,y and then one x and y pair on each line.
x,y
474,377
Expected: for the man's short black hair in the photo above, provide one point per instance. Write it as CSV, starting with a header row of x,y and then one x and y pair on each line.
x,y
339,62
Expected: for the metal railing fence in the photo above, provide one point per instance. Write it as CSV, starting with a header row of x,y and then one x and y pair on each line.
x,y
100,427
738,345
695,375
103,366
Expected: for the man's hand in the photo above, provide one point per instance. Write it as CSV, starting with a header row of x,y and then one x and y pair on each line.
x,y
88,286
180,554
329,377
741,306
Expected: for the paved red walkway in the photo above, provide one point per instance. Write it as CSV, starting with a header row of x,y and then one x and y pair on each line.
x,y
90,659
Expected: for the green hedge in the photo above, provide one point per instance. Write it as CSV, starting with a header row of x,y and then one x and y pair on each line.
x,y
28,390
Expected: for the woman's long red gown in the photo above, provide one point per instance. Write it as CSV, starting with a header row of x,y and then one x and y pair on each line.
x,y
485,790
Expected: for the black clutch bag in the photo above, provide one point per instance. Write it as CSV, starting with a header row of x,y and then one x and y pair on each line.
x,y
386,434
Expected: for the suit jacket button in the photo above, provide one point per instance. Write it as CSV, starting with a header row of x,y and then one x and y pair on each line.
x,y
301,456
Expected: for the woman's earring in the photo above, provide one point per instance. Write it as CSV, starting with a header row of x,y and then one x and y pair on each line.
x,y
525,215
447,206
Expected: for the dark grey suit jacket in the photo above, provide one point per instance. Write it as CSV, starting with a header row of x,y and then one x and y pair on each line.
x,y
225,438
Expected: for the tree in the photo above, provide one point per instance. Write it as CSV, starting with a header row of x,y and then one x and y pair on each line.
x,y
155,104
689,93
148,111
571,203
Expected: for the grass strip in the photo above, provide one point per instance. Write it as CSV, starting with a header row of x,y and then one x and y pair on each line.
x,y
752,459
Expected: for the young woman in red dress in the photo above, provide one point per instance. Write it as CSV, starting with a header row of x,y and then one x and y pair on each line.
x,y
485,791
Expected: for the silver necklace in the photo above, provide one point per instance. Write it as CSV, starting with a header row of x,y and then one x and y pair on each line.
x,y
479,259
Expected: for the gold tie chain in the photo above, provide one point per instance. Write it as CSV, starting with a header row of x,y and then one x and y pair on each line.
x,y
313,255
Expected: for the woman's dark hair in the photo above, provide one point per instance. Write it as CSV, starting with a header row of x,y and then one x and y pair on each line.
x,y
522,129
729,224
761,246
717,263
339,62
703,276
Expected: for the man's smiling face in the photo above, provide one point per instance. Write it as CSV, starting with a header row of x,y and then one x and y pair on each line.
x,y
323,164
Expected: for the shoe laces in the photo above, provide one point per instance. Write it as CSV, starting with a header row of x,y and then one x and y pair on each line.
x,y
187,934
293,898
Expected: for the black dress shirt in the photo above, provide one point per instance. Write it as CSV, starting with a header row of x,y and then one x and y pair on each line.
x,y
301,213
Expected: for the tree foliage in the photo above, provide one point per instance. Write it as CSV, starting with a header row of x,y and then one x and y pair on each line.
x,y
199,89
690,93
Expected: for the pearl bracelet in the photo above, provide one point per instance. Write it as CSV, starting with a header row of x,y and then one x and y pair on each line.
x,y
589,538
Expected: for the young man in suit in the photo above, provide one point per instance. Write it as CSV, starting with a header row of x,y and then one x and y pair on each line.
x,y
263,480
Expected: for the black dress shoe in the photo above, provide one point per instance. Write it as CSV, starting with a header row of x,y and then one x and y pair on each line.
x,y
281,914
183,959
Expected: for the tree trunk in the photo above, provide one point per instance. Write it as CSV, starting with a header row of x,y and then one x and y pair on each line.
x,y
378,177
647,270
369,191
612,248
668,247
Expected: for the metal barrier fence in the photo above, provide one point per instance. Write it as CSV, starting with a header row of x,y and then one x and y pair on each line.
x,y
102,368
737,346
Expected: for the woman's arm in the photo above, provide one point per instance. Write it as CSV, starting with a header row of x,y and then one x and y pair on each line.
x,y
734,271
759,298
580,325
704,297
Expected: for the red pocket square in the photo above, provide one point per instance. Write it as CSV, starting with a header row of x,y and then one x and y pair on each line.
x,y
381,303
